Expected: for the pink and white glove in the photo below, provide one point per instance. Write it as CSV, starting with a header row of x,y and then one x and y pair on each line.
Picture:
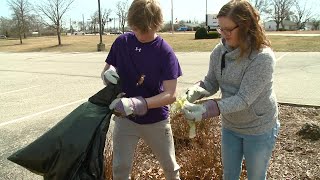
x,y
110,76
197,112
129,106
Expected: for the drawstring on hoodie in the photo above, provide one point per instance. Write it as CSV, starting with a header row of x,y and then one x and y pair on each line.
x,y
223,61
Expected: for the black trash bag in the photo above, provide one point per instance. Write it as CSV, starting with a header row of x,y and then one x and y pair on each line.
x,y
73,148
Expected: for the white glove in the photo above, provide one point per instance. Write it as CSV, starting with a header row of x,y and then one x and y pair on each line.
x,y
110,76
193,111
196,92
197,112
192,128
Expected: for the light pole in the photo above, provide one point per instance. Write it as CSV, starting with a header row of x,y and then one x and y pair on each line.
x,y
172,17
207,13
100,46
206,6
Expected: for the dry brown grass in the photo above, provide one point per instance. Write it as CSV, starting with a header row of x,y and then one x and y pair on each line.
x,y
295,44
50,44
181,42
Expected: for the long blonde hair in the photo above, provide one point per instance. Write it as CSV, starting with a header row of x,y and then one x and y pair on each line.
x,y
145,15
251,34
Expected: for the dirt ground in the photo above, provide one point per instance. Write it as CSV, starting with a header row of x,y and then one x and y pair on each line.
x,y
294,157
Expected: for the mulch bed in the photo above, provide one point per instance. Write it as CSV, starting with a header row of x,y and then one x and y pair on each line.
x,y
296,155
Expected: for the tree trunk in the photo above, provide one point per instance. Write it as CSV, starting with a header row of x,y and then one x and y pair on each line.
x,y
59,39
282,26
277,26
59,35
20,31
20,38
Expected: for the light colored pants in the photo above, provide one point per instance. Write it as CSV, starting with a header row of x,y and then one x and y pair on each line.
x,y
158,136
255,149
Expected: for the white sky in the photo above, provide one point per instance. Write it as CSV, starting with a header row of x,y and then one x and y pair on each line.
x,y
182,9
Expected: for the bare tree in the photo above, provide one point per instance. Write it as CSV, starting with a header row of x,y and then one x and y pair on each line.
x,y
281,9
80,25
263,6
35,24
122,12
94,21
21,9
54,11
106,18
6,25
301,15
315,24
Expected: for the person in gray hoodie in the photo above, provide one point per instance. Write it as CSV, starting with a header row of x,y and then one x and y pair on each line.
x,y
242,67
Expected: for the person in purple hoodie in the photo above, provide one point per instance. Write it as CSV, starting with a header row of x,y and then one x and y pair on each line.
x,y
148,70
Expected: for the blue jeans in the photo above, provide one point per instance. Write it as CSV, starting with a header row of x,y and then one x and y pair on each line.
x,y
255,149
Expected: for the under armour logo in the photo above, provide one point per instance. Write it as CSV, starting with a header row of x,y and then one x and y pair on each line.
x,y
138,49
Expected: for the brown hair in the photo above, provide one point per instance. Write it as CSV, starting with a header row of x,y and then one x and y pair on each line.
x,y
251,34
145,15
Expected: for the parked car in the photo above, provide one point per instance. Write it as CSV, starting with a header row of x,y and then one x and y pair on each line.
x,y
79,33
3,37
182,29
115,32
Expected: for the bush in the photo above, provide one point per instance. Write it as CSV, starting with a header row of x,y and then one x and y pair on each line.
x,y
213,35
201,33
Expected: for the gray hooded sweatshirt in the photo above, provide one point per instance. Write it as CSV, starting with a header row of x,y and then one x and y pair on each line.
x,y
248,104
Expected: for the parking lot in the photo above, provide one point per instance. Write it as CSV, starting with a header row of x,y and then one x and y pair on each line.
x,y
39,89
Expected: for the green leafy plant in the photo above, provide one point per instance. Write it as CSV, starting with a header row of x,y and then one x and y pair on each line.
x,y
201,33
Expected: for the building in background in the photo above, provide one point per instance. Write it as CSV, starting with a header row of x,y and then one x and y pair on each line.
x,y
272,25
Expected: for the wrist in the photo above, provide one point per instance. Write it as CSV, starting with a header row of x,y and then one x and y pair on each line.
x,y
140,106
212,109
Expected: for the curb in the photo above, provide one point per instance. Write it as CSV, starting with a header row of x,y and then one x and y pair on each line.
x,y
299,105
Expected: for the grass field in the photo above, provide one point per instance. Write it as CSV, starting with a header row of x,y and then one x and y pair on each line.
x,y
181,42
